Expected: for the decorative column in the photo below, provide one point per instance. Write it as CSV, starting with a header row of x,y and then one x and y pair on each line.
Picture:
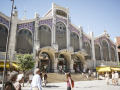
x,y
71,66
54,63
36,62
93,49
116,55
68,29
13,34
80,38
36,43
53,24
101,51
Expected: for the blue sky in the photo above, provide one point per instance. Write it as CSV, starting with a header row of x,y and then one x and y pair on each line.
x,y
100,15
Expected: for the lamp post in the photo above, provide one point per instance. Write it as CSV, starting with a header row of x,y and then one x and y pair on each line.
x,y
7,43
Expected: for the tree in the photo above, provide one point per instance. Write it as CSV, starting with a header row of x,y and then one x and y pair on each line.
x,y
25,62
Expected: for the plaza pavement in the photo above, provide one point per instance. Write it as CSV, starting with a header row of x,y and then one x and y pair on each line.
x,y
80,85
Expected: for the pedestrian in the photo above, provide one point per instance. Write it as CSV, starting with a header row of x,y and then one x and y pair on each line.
x,y
116,77
9,84
107,77
45,68
84,70
45,78
69,81
48,69
30,78
19,80
36,81
113,78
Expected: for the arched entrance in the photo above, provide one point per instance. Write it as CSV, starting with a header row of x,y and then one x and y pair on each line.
x,y
45,62
62,63
46,57
79,61
78,65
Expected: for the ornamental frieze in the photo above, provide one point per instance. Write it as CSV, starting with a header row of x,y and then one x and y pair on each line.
x,y
4,21
73,29
47,22
86,39
60,19
29,26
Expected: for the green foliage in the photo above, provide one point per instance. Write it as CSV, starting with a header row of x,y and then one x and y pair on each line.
x,y
25,62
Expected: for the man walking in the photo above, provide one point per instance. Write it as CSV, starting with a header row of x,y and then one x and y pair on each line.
x,y
116,78
36,81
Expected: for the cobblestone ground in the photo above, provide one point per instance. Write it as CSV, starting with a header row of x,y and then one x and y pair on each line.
x,y
80,85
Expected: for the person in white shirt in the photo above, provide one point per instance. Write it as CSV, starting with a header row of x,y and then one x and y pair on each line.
x,y
113,78
107,77
30,78
36,81
116,77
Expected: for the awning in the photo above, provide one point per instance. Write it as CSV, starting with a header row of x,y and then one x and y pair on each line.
x,y
103,69
2,65
15,65
116,69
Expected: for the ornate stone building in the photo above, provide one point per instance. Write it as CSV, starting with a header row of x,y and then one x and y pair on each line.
x,y
55,41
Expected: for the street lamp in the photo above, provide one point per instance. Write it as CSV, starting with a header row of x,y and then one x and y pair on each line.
x,y
7,43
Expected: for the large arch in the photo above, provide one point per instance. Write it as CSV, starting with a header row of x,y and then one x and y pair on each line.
x,y
86,46
79,61
97,52
44,36
24,41
61,35
46,57
112,51
3,37
105,50
74,41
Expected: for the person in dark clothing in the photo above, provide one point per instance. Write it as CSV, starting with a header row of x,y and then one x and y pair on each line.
x,y
9,84
45,78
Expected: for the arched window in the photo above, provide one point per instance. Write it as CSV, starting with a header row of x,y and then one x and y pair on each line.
x,y
61,35
86,46
24,41
44,36
3,38
97,52
74,41
112,54
105,50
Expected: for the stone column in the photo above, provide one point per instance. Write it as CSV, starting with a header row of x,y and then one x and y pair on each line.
x,y
36,62
54,63
68,30
93,50
101,52
36,43
116,54
80,38
13,34
71,66
36,25
53,24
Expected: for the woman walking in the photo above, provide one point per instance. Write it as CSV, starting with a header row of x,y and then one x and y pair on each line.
x,y
69,81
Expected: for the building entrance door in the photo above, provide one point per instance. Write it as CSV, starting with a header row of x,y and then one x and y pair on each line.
x,y
44,65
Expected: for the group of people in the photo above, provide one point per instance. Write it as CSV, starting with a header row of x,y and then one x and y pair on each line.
x,y
115,77
14,82
35,81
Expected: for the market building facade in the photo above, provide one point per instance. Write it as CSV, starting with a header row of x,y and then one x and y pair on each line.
x,y
55,41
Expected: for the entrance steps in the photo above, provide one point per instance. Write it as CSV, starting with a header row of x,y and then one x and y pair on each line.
x,y
58,77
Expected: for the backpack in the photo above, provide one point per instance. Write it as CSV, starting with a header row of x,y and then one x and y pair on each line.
x,y
72,82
